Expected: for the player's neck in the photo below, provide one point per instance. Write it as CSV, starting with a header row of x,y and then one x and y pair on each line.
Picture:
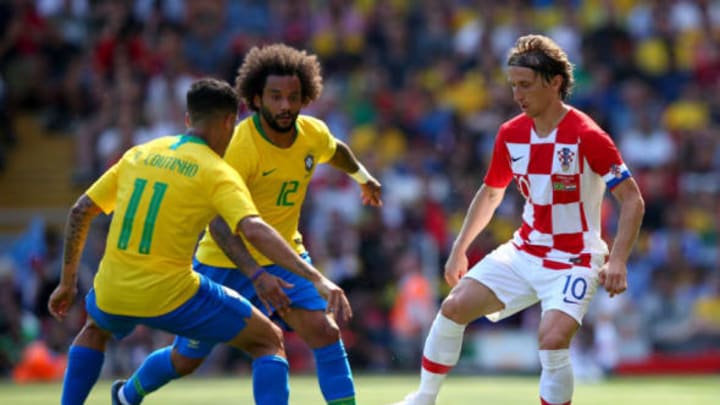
x,y
197,133
208,137
547,122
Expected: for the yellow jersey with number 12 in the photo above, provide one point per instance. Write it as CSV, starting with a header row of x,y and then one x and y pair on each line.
x,y
277,178
163,193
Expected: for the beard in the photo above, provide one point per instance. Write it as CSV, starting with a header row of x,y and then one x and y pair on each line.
x,y
272,120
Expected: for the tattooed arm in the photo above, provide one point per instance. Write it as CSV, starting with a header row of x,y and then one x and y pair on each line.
x,y
267,240
76,230
268,287
233,247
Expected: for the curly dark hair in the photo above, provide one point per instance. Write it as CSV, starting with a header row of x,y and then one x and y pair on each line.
x,y
544,56
281,60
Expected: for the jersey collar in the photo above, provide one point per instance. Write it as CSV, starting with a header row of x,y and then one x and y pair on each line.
x,y
185,138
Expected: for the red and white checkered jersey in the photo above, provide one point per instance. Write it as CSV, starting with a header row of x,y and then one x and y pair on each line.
x,y
563,177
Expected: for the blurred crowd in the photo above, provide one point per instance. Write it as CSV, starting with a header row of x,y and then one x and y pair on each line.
x,y
417,88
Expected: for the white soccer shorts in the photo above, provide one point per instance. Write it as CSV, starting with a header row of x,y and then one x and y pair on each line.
x,y
519,280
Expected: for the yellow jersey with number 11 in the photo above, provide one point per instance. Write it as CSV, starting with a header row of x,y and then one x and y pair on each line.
x,y
163,193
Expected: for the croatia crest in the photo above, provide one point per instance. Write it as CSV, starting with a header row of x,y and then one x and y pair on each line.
x,y
566,157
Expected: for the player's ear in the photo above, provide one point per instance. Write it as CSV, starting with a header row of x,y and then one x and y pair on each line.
x,y
556,82
257,101
230,120
188,124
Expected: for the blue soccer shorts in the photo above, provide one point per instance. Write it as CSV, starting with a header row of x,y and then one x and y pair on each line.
x,y
215,314
302,295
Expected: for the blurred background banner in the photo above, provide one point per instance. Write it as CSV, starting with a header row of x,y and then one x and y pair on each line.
x,y
417,89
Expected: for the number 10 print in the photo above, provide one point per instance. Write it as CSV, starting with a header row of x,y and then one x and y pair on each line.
x,y
577,288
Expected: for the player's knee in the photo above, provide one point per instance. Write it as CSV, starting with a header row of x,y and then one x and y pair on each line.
x,y
556,330
453,309
324,332
277,341
185,365
93,336
554,340
270,343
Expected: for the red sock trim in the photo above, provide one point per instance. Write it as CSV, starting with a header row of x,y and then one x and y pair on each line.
x,y
433,367
544,402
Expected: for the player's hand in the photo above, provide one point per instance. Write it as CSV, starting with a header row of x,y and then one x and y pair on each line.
x,y
338,304
270,291
371,193
455,268
61,300
613,276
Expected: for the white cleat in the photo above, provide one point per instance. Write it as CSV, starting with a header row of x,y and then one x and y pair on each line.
x,y
417,398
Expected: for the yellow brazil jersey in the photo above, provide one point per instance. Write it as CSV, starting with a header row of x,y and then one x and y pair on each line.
x,y
163,193
277,178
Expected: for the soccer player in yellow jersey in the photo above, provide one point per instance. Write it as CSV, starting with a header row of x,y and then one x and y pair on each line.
x,y
276,152
162,194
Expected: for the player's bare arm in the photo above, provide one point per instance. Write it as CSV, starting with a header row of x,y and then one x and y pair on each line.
x,y
613,276
268,287
233,246
76,230
345,160
481,210
269,242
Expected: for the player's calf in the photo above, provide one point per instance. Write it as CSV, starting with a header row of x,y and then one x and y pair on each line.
x,y
263,340
556,378
319,331
185,365
260,337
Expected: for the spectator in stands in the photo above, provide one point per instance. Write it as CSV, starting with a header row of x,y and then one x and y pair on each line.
x,y
10,317
413,310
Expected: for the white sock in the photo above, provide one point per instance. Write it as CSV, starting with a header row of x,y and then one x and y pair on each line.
x,y
441,353
556,379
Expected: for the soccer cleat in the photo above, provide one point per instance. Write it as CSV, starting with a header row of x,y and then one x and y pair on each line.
x,y
416,398
115,391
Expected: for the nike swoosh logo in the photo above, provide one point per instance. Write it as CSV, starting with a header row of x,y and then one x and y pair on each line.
x,y
265,173
515,159
570,302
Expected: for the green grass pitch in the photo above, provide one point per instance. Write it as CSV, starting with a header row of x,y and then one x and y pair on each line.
x,y
384,389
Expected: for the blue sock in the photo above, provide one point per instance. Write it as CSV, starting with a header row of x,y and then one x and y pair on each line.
x,y
334,375
83,369
156,371
270,380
